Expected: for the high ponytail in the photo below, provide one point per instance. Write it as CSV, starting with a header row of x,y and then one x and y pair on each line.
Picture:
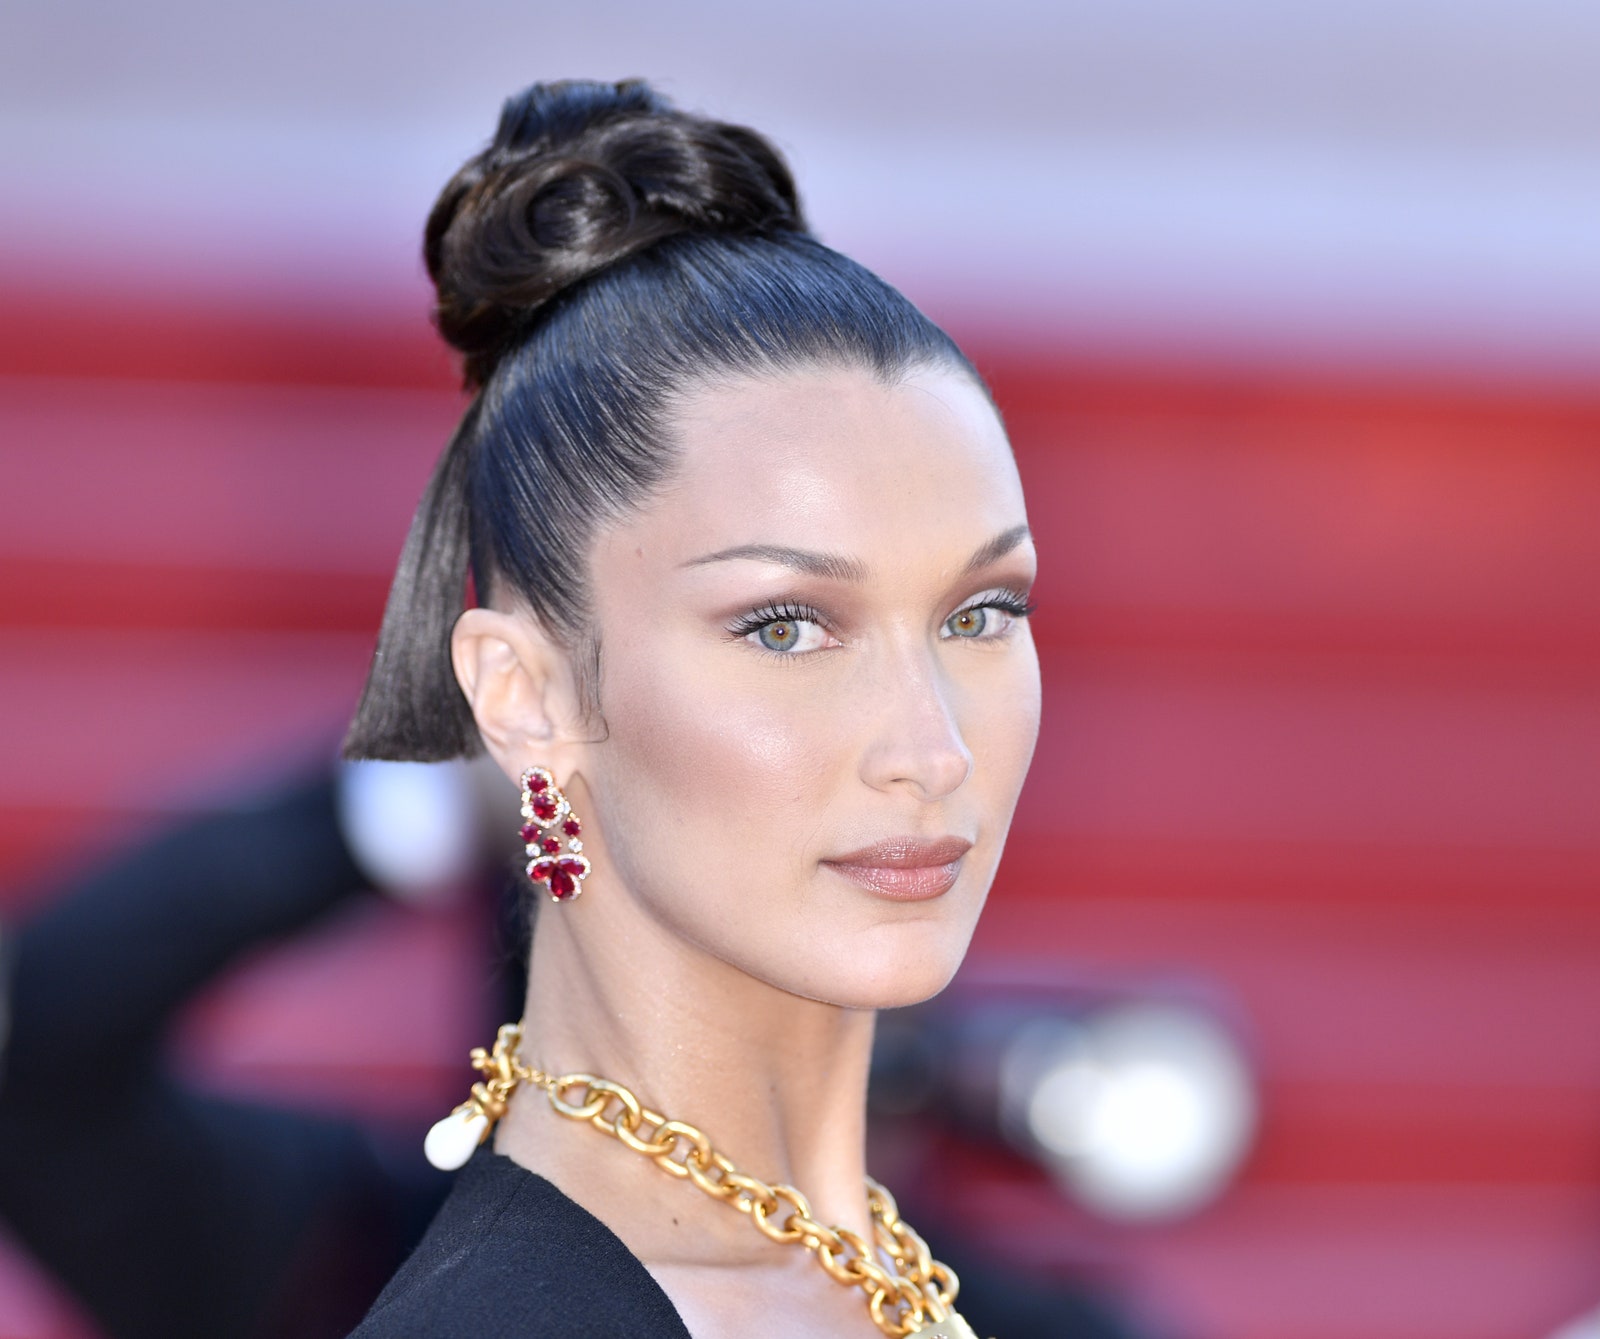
x,y
412,707
605,252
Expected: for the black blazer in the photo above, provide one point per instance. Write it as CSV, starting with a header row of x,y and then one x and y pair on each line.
x,y
511,1257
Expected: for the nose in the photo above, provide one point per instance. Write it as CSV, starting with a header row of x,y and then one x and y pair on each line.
x,y
915,739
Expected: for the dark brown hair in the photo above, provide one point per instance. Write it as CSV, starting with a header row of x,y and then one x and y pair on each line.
x,y
604,252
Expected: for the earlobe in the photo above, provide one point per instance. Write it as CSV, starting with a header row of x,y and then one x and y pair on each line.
x,y
505,669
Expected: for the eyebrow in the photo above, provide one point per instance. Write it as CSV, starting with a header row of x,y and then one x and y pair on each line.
x,y
830,565
996,549
836,567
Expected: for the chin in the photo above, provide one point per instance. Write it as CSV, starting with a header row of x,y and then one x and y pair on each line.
x,y
891,966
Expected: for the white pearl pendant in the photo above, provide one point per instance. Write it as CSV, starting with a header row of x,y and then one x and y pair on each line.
x,y
952,1328
450,1142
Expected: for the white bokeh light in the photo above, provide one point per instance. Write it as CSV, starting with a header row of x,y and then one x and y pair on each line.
x,y
1142,1111
412,827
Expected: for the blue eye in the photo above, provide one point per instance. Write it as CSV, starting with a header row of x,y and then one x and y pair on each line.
x,y
784,629
788,636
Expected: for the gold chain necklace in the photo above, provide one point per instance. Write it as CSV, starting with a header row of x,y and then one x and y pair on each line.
x,y
912,1297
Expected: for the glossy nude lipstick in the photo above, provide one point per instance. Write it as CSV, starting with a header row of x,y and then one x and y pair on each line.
x,y
906,869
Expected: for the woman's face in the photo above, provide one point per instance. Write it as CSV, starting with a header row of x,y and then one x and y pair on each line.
x,y
817,683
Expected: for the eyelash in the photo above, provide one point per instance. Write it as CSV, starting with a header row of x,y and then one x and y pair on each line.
x,y
1009,602
785,612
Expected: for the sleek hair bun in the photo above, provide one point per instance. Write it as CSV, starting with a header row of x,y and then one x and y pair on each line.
x,y
581,175
603,254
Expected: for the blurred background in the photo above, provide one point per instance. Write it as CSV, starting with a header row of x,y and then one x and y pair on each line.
x,y
1293,310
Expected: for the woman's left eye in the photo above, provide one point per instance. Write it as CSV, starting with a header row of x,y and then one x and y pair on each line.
x,y
980,620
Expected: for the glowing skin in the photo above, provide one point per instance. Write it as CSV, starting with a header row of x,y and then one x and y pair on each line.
x,y
814,663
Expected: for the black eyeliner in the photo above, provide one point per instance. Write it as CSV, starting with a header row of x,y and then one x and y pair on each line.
x,y
785,611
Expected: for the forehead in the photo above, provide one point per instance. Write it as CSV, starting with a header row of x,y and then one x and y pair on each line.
x,y
836,459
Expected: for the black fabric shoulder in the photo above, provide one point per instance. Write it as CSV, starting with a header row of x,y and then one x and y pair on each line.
x,y
511,1257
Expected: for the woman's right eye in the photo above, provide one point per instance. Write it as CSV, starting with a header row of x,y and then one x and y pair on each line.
x,y
789,636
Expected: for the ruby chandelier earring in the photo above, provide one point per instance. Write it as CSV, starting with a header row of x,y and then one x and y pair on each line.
x,y
545,812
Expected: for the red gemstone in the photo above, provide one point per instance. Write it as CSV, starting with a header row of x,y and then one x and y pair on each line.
x,y
536,783
561,885
570,864
541,870
551,845
543,807
530,833
572,827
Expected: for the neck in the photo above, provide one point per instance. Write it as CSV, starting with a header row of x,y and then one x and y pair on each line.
x,y
776,1082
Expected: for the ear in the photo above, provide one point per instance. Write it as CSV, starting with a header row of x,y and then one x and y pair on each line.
x,y
520,686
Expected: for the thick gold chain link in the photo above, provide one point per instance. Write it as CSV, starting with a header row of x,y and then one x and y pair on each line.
x,y
916,1292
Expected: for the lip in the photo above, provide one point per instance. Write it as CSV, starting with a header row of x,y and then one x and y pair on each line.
x,y
905,869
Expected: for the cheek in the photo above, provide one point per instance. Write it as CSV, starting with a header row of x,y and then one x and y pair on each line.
x,y
1004,730
702,769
